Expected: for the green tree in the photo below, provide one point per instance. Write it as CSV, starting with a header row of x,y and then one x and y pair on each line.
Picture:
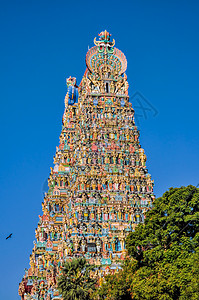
x,y
76,282
170,228
163,252
116,286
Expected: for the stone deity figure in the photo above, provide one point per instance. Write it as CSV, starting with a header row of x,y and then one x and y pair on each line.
x,y
142,157
113,243
93,184
127,160
132,161
120,83
103,183
80,158
102,88
110,185
83,245
94,134
137,173
132,186
120,214
114,158
113,215
82,184
121,159
92,215
126,84
99,186
32,264
106,214
116,184
99,214
76,243
122,185
127,135
107,161
143,188
112,87
127,184
98,245
89,159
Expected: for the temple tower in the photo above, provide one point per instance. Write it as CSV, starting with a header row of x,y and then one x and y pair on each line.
x,y
99,187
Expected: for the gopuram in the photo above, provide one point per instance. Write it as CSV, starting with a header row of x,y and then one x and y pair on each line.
x,y
99,187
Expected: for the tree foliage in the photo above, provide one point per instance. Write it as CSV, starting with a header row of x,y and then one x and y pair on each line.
x,y
114,287
163,252
76,282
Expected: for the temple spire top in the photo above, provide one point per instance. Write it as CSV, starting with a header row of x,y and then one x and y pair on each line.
x,y
104,39
104,35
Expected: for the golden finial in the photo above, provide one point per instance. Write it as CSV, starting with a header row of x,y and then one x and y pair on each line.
x,y
104,38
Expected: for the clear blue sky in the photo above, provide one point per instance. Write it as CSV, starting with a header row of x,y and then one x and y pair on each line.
x,y
42,43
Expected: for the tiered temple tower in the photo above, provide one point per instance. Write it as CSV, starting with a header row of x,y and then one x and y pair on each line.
x,y
99,188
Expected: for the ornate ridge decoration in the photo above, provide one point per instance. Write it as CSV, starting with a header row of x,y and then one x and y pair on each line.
x,y
104,54
104,39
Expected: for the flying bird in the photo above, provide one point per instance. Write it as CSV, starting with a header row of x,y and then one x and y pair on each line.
x,y
8,237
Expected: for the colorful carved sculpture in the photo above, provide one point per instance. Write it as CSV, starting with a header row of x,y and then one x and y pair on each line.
x,y
99,188
72,90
